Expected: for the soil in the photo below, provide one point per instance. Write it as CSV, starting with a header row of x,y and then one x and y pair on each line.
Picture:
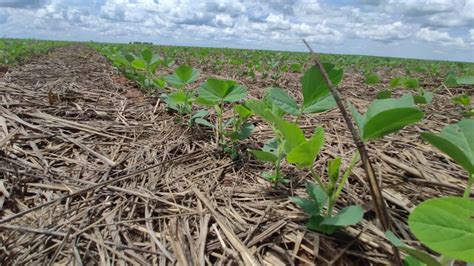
x,y
93,171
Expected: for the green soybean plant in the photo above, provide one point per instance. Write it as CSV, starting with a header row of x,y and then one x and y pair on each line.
x,y
446,224
147,63
326,194
181,100
464,101
386,116
214,93
273,150
316,96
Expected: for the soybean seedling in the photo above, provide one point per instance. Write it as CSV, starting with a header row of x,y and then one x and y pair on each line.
x,y
325,194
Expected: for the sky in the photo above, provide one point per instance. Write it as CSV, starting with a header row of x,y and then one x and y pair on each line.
x,y
425,29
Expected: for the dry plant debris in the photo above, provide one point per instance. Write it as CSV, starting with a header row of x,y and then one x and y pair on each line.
x,y
95,172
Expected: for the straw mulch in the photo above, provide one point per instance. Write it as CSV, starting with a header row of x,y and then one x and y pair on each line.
x,y
92,171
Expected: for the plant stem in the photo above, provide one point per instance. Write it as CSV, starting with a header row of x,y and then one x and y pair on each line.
x,y
377,197
468,189
348,171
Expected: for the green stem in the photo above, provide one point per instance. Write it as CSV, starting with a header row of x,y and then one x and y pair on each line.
x,y
468,189
331,203
355,159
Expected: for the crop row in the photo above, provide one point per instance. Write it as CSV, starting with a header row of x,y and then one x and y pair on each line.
x,y
442,224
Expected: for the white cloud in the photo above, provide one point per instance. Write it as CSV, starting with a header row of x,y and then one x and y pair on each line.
x,y
381,32
443,38
250,24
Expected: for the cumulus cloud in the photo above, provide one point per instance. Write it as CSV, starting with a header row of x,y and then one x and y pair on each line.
x,y
443,38
273,24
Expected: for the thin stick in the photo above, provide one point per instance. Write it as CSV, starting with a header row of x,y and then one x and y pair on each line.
x,y
380,207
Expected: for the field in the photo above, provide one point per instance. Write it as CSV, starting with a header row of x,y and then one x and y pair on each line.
x,y
141,154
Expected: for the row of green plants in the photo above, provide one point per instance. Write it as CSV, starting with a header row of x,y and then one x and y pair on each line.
x,y
13,51
272,65
445,224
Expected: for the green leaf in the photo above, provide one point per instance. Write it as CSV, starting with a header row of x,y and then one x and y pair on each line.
x,y
235,93
425,97
445,225
450,81
310,207
323,104
205,102
186,73
177,97
242,111
147,55
200,114
183,75
371,79
387,116
260,108
395,82
244,132
292,134
283,100
466,80
264,156
314,86
139,64
271,146
203,122
457,141
214,90
411,83
317,194
305,153
350,215
315,224
417,254
333,169
412,261
359,119
384,94
462,99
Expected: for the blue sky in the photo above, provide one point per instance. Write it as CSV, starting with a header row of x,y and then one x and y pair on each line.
x,y
427,29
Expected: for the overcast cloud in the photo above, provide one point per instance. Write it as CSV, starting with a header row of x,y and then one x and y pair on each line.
x,y
429,29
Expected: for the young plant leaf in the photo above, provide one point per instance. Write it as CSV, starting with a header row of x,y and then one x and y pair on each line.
x,y
315,224
445,225
333,169
305,153
315,88
466,80
260,108
309,207
183,75
242,111
350,215
387,116
416,254
284,101
264,156
139,64
462,99
457,141
203,122
147,55
292,134
323,104
235,93
384,94
317,194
